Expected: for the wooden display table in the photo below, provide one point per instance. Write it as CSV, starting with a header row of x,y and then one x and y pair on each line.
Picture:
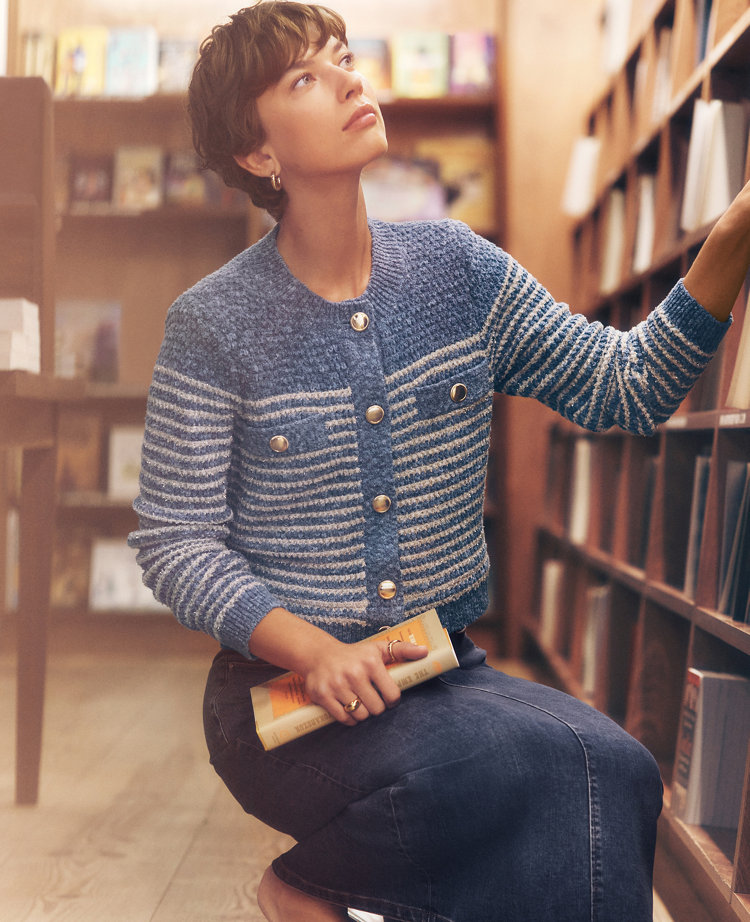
x,y
28,422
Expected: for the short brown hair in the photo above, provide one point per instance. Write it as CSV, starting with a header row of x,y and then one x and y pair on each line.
x,y
237,63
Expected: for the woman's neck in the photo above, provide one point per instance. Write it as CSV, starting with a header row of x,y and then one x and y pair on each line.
x,y
325,241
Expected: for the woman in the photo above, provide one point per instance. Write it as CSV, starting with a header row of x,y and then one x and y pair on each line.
x,y
313,469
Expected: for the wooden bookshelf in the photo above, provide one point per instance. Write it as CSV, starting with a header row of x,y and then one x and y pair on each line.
x,y
618,507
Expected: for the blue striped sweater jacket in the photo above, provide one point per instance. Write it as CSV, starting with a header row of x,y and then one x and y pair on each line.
x,y
275,418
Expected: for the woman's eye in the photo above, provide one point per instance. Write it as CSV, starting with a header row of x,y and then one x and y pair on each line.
x,y
348,60
303,80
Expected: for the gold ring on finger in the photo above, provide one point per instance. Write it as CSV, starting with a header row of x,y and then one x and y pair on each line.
x,y
352,706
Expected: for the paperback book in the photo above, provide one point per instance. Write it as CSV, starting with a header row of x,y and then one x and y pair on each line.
x,y
711,748
283,711
420,64
81,61
132,67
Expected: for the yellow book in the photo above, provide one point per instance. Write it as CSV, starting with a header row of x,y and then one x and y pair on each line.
x,y
283,711
81,61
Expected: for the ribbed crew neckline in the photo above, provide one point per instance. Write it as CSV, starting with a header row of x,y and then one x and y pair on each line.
x,y
386,271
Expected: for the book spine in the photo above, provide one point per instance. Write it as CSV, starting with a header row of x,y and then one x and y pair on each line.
x,y
686,743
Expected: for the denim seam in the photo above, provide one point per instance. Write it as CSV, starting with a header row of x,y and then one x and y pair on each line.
x,y
591,786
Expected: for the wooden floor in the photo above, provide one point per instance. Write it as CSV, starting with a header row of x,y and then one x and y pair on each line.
x,y
132,824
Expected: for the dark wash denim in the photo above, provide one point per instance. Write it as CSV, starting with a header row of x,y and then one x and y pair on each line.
x,y
481,797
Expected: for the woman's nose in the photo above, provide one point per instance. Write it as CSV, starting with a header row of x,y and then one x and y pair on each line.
x,y
352,84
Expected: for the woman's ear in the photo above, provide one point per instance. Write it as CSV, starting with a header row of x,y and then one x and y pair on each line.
x,y
258,162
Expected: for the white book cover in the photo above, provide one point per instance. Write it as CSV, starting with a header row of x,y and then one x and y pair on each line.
x,y
132,67
711,749
617,14
580,499
553,572
643,250
739,387
614,242
115,579
580,182
725,159
20,315
125,444
705,115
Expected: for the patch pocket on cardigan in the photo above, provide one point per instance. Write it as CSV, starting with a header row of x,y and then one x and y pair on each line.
x,y
287,437
460,388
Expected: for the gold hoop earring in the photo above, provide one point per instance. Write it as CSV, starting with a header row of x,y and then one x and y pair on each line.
x,y
275,182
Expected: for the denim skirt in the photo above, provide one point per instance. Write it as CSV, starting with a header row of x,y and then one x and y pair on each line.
x,y
480,797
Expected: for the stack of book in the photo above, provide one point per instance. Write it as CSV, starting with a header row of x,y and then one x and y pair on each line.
x,y
19,335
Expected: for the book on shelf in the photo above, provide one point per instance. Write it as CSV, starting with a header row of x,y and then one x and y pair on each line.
x,y
550,601
580,492
616,21
697,516
580,181
283,711
89,182
404,189
20,345
662,76
79,449
372,58
184,181
138,183
81,61
87,339
466,164
124,464
595,631
739,385
711,748
116,582
643,248
716,160
177,59
71,553
132,64
38,55
420,64
472,62
703,10
614,242
734,587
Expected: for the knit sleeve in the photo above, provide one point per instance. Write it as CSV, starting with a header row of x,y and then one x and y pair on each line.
x,y
592,374
184,517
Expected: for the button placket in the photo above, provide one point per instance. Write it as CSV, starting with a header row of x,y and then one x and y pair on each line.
x,y
367,380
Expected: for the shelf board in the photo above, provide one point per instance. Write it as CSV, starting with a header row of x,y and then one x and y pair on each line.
x,y
92,499
166,212
91,390
735,633
26,385
712,848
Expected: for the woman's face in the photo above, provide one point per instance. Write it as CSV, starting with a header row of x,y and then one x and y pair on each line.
x,y
321,118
